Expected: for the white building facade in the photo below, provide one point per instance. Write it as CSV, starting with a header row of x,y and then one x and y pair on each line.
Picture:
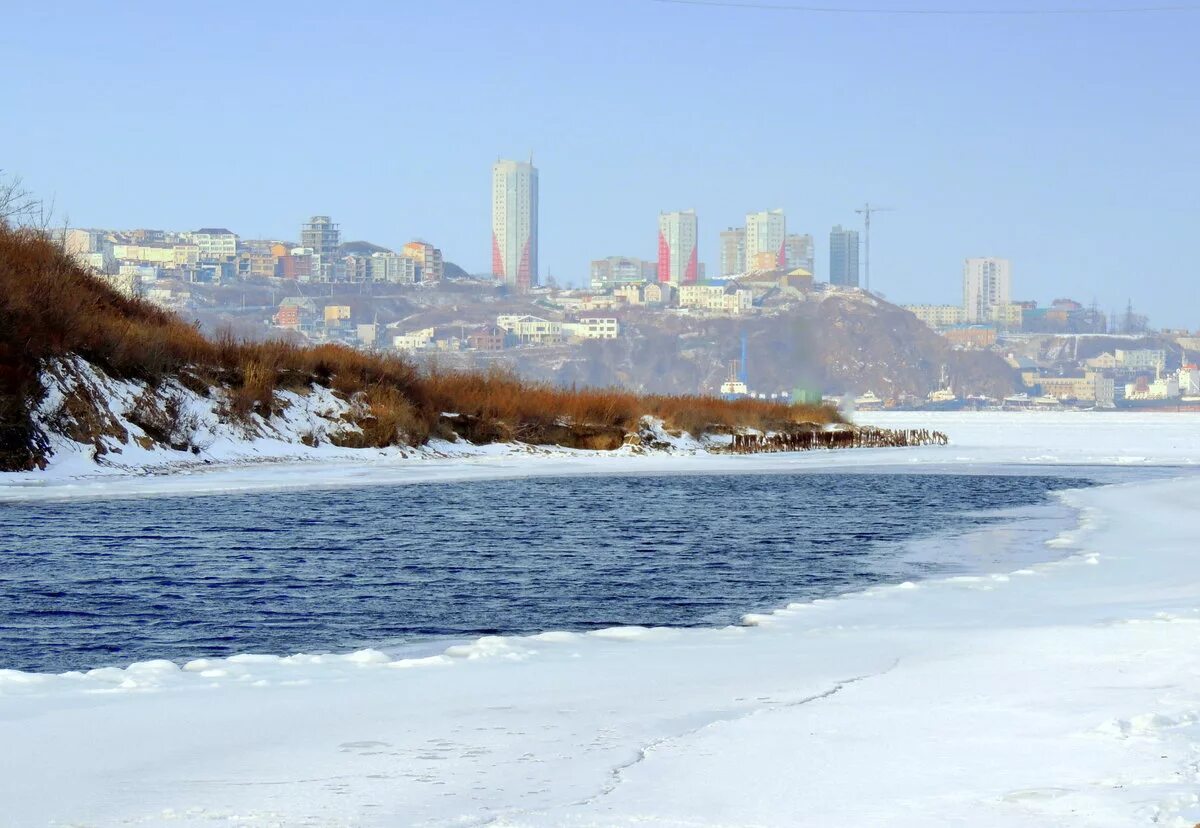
x,y
987,282
766,233
515,224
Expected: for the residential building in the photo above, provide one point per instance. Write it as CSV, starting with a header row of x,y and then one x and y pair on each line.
x,y
430,265
733,251
515,224
1104,362
631,294
164,255
295,312
320,235
660,294
90,248
366,333
843,257
128,282
798,251
354,268
1091,387
394,268
299,264
614,271
256,264
987,282
678,257
336,314
971,336
216,244
413,341
716,298
592,328
766,232
1008,316
530,328
937,316
490,338
1142,360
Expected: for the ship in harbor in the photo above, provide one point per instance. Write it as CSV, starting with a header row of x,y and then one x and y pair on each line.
x,y
1178,391
943,398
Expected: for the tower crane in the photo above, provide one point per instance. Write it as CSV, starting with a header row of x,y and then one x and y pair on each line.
x,y
866,211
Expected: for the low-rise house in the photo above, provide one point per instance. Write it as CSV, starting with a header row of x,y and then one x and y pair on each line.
x,y
661,294
971,336
531,329
295,312
592,328
630,294
938,316
490,338
414,340
1105,361
716,298
336,314
1092,387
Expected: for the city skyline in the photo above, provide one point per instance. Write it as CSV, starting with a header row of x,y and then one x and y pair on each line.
x,y
1015,157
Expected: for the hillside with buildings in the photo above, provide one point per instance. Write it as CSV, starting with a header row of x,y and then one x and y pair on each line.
x,y
82,364
758,325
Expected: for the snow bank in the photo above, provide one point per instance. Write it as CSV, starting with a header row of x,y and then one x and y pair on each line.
x,y
976,440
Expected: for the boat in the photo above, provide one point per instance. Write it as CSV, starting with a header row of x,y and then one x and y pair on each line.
x,y
868,402
944,398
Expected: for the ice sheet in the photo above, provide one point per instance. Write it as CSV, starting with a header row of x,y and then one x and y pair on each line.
x,y
1062,694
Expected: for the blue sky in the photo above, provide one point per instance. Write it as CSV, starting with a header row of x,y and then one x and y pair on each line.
x,y
1064,142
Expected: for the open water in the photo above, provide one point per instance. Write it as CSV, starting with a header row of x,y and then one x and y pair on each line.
x,y
107,582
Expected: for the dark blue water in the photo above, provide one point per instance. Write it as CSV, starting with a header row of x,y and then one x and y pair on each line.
x,y
91,583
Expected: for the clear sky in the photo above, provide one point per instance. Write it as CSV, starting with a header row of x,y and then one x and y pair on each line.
x,y
1064,142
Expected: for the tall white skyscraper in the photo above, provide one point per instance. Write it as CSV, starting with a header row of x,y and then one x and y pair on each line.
x,y
987,282
515,223
765,234
678,261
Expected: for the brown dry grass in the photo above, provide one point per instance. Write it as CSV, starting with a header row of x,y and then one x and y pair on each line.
x,y
50,307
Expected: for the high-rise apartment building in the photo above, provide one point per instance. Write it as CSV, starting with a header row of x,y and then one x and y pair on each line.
x,y
515,223
765,234
678,261
323,237
987,283
843,257
733,251
798,251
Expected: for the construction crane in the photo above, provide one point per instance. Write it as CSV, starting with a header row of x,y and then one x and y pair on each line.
x,y
865,211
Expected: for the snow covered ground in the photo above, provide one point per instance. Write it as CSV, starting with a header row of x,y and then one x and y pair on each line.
x,y
1067,438
1064,694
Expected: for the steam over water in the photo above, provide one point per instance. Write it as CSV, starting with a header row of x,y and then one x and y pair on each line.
x,y
92,583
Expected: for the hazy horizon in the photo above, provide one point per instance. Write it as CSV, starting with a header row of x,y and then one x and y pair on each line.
x,y
1059,141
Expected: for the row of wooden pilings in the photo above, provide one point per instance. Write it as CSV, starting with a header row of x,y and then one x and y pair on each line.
x,y
858,437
